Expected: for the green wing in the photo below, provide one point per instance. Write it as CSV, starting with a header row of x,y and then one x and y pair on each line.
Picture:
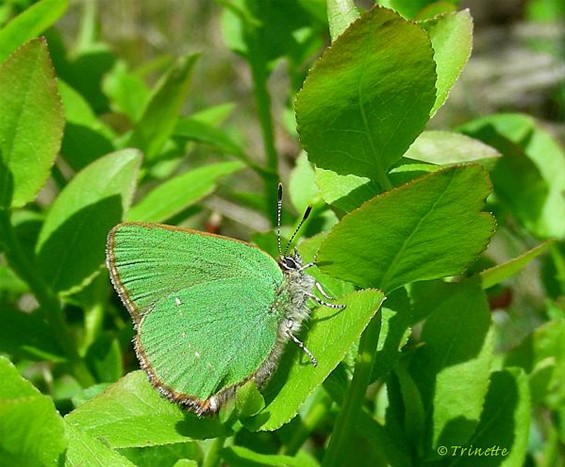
x,y
149,262
202,304
207,337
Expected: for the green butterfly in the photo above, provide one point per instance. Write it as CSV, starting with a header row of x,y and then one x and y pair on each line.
x,y
210,312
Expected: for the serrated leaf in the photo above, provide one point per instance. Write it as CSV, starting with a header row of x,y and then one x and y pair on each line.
x,y
341,13
87,450
178,193
29,24
331,335
31,430
452,39
368,97
31,123
160,115
70,248
133,403
429,228
452,367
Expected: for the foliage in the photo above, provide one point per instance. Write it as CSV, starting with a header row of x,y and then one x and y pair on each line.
x,y
401,218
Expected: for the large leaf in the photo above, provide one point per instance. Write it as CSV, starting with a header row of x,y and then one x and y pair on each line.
x,y
180,192
368,97
131,413
29,24
331,335
31,123
159,117
31,430
452,367
429,228
71,243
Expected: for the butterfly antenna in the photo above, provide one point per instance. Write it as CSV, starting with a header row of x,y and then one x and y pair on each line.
x,y
304,217
279,211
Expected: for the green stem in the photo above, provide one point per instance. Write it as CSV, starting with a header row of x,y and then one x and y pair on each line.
x,y
338,449
213,455
50,307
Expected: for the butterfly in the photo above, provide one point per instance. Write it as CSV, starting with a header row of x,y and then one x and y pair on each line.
x,y
210,312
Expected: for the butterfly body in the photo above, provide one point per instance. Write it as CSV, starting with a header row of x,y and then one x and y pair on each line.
x,y
210,312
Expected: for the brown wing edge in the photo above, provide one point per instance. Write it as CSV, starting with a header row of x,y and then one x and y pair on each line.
x,y
115,276
212,404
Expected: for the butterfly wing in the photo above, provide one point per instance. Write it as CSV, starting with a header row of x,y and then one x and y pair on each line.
x,y
203,305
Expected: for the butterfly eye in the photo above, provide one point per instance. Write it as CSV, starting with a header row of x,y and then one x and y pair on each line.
x,y
289,263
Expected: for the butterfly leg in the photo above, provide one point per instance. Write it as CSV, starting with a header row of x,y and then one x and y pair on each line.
x,y
300,344
319,301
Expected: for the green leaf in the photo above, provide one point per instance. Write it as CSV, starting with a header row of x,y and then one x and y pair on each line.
x,y
331,335
345,192
302,187
368,97
413,8
341,13
165,455
239,456
452,368
452,41
505,421
70,248
24,335
501,272
178,193
532,188
86,138
131,413
160,116
196,130
31,430
444,147
127,91
542,356
395,331
30,24
429,228
31,123
88,450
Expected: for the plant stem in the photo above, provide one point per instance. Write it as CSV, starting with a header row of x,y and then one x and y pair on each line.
x,y
50,307
347,418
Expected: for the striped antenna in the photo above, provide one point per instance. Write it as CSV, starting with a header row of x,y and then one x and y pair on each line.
x,y
304,217
279,211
